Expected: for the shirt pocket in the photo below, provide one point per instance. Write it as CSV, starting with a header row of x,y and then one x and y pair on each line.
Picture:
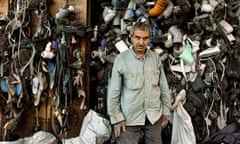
x,y
155,77
133,82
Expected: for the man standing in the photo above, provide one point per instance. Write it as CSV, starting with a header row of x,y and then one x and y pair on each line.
x,y
139,99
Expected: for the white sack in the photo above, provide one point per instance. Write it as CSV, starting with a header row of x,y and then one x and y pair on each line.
x,y
74,140
19,141
40,137
95,129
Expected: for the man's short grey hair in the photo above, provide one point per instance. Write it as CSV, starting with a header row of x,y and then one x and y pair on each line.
x,y
140,26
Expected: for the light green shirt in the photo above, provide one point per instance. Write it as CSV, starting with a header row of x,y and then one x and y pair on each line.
x,y
138,89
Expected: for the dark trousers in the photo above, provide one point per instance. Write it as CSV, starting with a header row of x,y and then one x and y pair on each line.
x,y
147,134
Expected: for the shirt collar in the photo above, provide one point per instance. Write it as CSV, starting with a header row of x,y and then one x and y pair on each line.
x,y
133,52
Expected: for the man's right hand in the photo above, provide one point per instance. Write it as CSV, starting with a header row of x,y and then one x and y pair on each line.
x,y
118,127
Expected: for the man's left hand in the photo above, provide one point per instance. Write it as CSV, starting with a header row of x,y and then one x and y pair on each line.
x,y
165,120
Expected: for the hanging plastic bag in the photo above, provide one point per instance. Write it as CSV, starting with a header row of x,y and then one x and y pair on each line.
x,y
187,55
182,128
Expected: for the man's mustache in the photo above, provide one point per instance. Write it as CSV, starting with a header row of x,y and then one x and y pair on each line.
x,y
140,46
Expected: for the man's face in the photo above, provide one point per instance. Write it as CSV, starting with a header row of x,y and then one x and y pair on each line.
x,y
140,40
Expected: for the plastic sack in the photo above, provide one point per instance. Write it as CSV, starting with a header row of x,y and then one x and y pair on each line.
x,y
182,128
19,141
95,129
40,137
73,140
